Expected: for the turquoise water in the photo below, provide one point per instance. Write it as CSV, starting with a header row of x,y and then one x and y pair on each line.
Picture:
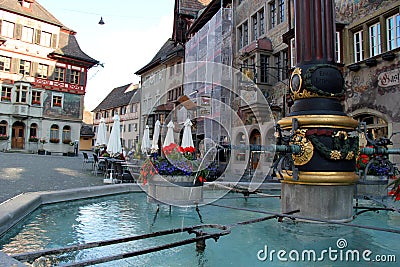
x,y
125,215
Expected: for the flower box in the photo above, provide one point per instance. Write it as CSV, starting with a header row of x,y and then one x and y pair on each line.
x,y
174,190
54,140
33,139
6,99
66,141
3,137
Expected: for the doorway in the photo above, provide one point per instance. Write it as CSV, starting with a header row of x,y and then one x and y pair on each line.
x,y
255,141
18,135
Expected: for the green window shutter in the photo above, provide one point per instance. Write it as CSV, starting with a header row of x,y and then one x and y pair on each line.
x,y
54,41
15,65
18,31
37,36
82,78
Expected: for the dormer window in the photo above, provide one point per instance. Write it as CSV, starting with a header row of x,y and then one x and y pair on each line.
x,y
26,3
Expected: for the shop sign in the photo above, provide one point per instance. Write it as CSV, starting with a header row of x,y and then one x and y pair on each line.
x,y
389,78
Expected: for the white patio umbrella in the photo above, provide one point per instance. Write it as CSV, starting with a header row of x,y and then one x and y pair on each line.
x,y
114,143
187,139
156,136
101,135
169,138
145,140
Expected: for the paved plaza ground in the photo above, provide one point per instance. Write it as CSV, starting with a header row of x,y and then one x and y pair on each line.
x,y
21,173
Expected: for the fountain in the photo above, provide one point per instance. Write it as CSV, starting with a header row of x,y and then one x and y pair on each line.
x,y
322,183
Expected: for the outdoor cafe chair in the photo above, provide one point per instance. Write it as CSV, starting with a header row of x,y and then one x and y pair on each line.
x,y
99,165
87,160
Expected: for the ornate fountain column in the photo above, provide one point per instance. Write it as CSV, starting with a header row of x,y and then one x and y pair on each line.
x,y
324,185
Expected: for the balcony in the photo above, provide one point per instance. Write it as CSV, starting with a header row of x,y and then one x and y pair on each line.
x,y
24,111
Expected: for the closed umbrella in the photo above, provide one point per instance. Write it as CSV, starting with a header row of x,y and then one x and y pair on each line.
x,y
187,140
169,138
101,136
114,143
156,135
145,140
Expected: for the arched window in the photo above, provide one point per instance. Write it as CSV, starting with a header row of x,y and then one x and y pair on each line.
x,y
3,128
54,134
66,134
33,130
376,126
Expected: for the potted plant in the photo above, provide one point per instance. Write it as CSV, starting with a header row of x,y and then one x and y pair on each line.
x,y
41,150
54,140
6,99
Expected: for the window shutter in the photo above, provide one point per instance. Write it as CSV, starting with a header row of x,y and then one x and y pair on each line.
x,y
18,31
54,41
1,23
67,75
51,73
34,69
37,36
15,65
82,78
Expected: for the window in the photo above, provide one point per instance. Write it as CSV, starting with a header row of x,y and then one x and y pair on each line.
x,y
281,7
293,61
254,20
3,128
45,39
5,63
375,40
66,134
358,47
337,48
179,67
7,29
245,33
27,34
278,66
123,110
24,67
33,130
59,74
393,32
57,100
272,14
36,95
262,21
285,73
21,94
264,68
74,77
129,127
54,133
171,70
6,93
42,71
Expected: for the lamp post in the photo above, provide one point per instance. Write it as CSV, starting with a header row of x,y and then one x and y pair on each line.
x,y
326,176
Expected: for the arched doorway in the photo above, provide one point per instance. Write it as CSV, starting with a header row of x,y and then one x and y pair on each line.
x,y
255,141
18,135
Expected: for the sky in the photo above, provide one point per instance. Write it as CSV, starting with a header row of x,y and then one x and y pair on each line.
x,y
133,32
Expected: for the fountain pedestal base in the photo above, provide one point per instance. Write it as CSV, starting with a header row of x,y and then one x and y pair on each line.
x,y
319,201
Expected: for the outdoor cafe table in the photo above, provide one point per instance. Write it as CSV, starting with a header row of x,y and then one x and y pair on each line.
x,y
110,176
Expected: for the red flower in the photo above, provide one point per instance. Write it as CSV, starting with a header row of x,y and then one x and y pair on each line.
x,y
201,179
181,149
189,149
391,192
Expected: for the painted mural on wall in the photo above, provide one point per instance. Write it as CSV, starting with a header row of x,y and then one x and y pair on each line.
x,y
376,88
71,106
349,10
